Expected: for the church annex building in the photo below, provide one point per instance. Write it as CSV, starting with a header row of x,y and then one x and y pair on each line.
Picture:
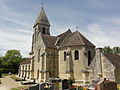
x,y
66,56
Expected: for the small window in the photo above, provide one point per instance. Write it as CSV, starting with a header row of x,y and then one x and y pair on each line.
x,y
89,58
76,55
38,74
38,55
43,30
64,56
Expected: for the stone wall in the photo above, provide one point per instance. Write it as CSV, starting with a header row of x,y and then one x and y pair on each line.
x,y
77,66
38,57
108,69
101,67
24,71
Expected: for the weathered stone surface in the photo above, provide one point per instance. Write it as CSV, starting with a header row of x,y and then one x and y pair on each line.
x,y
48,53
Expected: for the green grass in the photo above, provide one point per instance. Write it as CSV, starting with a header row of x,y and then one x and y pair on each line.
x,y
14,76
5,74
19,88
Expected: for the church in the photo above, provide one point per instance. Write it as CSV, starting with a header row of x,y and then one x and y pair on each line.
x,y
69,55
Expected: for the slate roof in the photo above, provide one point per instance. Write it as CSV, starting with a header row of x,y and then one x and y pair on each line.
x,y
62,36
28,61
42,18
66,39
114,59
75,38
49,41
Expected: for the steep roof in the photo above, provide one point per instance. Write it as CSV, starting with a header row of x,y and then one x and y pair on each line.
x,y
49,41
114,59
62,36
65,39
42,18
75,38
28,61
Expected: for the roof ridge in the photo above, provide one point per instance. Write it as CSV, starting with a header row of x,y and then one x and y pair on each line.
x,y
80,36
56,41
66,37
64,32
72,37
75,38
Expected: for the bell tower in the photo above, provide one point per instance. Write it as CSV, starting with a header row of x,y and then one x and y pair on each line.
x,y
42,24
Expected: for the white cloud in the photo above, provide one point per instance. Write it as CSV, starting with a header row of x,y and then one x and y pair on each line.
x,y
15,21
15,40
95,28
17,37
111,20
9,14
98,35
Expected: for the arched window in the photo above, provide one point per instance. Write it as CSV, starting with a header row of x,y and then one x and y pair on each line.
x,y
89,58
38,74
65,56
76,54
43,30
38,55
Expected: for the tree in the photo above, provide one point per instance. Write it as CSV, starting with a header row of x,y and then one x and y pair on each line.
x,y
108,50
116,50
11,60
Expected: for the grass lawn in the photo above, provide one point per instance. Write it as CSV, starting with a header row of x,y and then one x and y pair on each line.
x,y
5,74
13,76
19,88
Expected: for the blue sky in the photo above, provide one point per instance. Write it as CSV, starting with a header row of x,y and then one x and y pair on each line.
x,y
98,20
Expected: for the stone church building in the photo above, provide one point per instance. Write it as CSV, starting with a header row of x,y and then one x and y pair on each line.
x,y
66,56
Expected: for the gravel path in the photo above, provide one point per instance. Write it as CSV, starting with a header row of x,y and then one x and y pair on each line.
x,y
8,83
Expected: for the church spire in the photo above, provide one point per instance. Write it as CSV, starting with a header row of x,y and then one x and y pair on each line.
x,y
42,18
42,24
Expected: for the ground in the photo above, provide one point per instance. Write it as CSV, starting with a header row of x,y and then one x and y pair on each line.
x,y
8,83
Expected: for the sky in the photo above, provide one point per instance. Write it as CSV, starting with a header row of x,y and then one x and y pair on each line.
x,y
97,20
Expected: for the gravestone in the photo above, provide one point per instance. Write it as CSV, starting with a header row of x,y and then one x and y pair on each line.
x,y
43,86
107,85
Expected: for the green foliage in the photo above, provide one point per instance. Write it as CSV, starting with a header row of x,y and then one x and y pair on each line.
x,y
108,50
13,53
14,76
20,88
10,62
116,50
